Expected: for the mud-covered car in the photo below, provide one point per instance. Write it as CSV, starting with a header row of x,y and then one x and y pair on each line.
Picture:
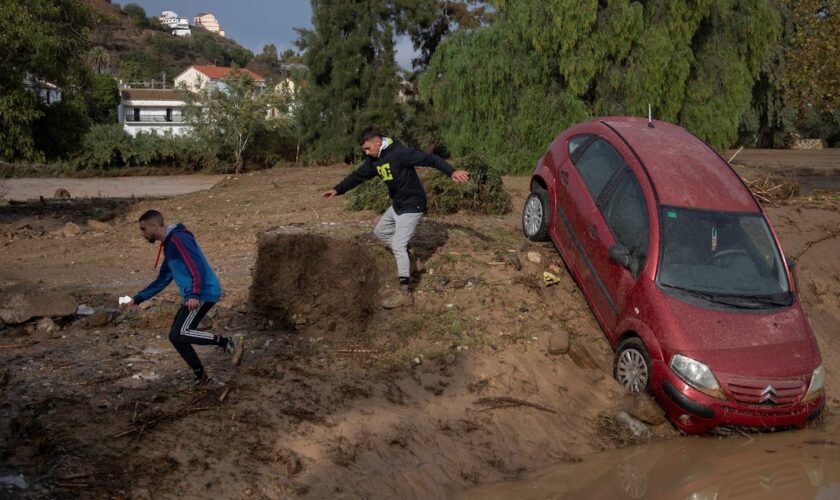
x,y
682,271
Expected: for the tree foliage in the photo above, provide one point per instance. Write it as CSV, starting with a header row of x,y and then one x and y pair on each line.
x,y
225,119
42,40
503,91
813,55
352,78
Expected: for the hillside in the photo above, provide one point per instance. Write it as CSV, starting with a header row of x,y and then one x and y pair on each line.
x,y
147,52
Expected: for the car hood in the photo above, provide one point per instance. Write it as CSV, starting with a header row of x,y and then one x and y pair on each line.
x,y
765,343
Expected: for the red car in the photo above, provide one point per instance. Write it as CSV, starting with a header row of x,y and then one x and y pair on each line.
x,y
682,271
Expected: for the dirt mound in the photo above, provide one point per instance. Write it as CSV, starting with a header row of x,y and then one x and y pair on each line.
x,y
314,281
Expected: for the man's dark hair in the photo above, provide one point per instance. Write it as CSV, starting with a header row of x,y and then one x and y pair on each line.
x,y
369,133
152,215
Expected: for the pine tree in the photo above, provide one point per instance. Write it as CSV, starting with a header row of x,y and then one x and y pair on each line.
x,y
352,81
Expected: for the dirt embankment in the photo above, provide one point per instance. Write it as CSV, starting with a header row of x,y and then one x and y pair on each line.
x,y
418,402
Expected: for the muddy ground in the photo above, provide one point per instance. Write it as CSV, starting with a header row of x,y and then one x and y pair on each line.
x,y
333,398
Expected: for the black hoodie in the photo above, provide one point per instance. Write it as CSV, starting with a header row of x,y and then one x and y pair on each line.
x,y
395,166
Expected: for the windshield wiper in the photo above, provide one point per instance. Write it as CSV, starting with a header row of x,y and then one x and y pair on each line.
x,y
734,300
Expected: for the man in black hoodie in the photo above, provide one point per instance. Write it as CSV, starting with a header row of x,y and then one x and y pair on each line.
x,y
394,164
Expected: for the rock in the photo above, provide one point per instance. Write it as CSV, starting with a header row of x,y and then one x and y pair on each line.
x,y
293,464
46,325
637,428
534,257
2,324
71,230
62,194
20,303
645,409
205,324
558,343
450,358
514,261
98,319
84,310
99,227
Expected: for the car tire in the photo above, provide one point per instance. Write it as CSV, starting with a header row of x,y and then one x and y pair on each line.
x,y
632,368
535,216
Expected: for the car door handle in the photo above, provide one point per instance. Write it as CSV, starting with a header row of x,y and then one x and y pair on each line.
x,y
593,231
564,177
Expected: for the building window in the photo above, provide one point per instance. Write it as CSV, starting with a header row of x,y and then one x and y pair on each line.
x,y
137,114
169,114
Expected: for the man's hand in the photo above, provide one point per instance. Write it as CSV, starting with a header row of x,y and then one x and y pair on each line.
x,y
460,176
329,194
131,305
192,304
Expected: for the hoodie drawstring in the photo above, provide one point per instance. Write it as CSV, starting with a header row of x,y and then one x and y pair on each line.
x,y
157,259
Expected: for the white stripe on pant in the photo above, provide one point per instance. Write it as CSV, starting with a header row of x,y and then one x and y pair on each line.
x,y
394,231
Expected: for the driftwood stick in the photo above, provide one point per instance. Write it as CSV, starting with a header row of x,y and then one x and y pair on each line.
x,y
809,244
497,402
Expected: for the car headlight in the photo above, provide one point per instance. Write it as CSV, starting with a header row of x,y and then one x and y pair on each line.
x,y
817,381
697,375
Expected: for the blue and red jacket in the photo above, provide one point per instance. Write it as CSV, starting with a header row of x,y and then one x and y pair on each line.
x,y
184,262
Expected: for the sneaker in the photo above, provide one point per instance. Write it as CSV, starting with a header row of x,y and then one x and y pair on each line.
x,y
204,379
238,349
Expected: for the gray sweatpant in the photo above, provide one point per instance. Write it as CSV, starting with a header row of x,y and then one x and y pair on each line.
x,y
394,231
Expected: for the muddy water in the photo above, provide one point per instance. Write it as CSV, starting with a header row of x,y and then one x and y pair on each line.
x,y
110,187
804,464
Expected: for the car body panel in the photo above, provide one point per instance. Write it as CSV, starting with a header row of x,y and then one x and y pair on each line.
x,y
672,167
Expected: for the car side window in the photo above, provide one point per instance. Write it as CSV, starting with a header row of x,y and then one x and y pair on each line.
x,y
597,164
576,142
626,215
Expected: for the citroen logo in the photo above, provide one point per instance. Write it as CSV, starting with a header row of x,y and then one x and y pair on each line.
x,y
768,394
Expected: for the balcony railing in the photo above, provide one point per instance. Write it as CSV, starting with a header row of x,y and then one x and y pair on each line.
x,y
153,119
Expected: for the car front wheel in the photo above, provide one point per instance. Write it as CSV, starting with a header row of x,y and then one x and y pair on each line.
x,y
535,216
632,365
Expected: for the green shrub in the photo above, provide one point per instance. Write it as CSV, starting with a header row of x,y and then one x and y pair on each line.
x,y
483,194
103,147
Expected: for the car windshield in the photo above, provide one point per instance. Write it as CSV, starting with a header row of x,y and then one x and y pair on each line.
x,y
724,257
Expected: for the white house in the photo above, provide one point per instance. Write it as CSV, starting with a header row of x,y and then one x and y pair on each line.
x,y
180,26
198,77
209,22
152,110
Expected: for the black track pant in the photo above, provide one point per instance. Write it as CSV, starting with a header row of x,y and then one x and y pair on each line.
x,y
185,332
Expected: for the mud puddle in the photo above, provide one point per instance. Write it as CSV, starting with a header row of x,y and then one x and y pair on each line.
x,y
110,187
804,464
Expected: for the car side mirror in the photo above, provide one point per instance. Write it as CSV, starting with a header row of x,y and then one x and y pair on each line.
x,y
621,255
790,261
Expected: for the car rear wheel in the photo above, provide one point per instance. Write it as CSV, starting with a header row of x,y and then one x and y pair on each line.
x,y
632,365
535,216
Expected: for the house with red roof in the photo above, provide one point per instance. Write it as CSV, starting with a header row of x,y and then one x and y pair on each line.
x,y
198,77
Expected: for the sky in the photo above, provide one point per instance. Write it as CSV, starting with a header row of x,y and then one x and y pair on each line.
x,y
255,23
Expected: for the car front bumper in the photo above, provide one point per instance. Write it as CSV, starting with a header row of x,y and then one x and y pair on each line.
x,y
697,413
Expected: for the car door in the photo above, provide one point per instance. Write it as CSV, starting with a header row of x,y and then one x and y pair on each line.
x,y
589,172
623,209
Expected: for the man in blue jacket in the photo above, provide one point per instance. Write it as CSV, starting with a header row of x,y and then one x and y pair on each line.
x,y
184,262
394,164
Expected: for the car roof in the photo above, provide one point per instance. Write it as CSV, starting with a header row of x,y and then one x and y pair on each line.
x,y
684,170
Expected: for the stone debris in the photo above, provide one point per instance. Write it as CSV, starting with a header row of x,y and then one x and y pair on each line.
x,y
20,303
558,343
46,325
99,227
637,428
70,230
